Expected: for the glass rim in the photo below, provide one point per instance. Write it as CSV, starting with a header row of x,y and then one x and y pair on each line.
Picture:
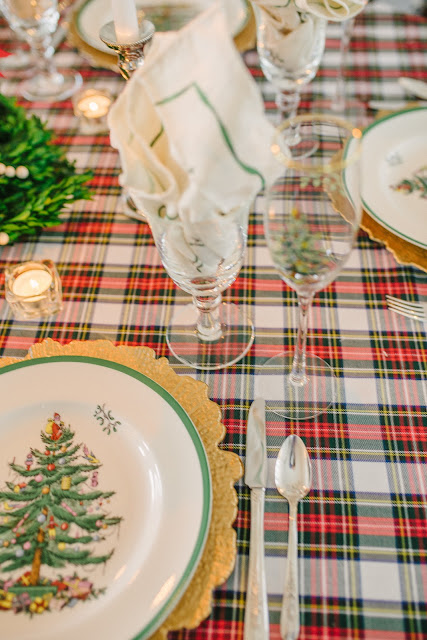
x,y
348,158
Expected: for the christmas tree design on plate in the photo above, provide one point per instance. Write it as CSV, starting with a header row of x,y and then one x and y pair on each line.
x,y
416,184
51,516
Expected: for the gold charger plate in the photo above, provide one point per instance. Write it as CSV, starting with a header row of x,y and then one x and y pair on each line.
x,y
218,558
244,40
404,252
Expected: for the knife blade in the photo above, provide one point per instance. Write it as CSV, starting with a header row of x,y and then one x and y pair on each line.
x,y
256,610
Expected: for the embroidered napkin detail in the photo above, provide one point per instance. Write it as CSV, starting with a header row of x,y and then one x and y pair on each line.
x,y
193,138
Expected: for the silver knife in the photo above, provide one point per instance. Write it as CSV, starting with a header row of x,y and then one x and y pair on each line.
x,y
256,610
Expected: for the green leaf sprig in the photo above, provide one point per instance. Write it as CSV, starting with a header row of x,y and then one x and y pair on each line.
x,y
31,204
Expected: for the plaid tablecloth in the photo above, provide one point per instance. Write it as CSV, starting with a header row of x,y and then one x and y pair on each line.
x,y
363,528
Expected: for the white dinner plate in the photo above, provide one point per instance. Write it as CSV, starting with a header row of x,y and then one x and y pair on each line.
x,y
129,490
394,173
166,15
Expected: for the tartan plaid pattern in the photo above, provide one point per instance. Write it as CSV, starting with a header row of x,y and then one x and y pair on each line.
x,y
363,528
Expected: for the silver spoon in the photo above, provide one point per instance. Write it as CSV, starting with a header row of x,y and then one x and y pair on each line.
x,y
293,481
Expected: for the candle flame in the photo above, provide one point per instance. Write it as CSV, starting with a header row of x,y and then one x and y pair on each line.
x,y
93,106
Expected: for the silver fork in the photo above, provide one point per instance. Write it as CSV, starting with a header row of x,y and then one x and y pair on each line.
x,y
415,310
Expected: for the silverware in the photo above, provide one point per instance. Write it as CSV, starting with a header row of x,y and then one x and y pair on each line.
x,y
256,611
293,482
415,87
394,105
415,310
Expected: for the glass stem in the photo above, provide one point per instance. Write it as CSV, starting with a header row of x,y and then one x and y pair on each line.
x,y
288,103
208,323
339,100
42,53
298,377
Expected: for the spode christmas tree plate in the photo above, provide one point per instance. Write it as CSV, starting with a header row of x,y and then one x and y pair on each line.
x,y
105,500
394,174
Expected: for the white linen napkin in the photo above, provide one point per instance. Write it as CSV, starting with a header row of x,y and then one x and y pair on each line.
x,y
285,31
193,138
334,10
289,25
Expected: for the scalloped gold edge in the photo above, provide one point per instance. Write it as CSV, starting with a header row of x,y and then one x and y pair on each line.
x,y
219,555
404,252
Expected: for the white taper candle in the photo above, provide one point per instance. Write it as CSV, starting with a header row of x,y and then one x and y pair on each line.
x,y
125,21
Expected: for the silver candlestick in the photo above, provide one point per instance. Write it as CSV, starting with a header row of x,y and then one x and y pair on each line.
x,y
131,55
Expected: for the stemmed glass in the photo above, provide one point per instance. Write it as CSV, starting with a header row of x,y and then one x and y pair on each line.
x,y
290,47
36,21
339,99
312,215
204,261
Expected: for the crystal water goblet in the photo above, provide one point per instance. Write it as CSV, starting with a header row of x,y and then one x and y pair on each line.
x,y
312,216
36,21
290,48
339,99
204,261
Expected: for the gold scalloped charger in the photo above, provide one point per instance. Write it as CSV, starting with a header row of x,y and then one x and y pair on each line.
x,y
59,499
166,15
394,179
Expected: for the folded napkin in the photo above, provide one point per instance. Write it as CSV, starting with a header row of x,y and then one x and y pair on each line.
x,y
335,10
193,139
285,33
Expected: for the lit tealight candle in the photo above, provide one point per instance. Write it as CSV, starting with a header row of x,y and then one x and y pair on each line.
x,y
33,289
91,106
94,106
32,284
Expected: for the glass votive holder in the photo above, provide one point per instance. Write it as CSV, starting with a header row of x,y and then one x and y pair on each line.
x,y
91,106
33,289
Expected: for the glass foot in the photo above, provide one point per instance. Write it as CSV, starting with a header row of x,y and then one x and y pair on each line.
x,y
305,148
18,61
58,86
296,402
236,340
298,146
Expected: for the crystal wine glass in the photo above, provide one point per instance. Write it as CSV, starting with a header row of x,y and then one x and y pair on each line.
x,y
312,216
290,46
36,21
204,261
339,100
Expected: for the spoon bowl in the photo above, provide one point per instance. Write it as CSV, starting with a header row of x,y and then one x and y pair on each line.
x,y
293,481
292,472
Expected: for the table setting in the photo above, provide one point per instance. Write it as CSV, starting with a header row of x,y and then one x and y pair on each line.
x,y
213,319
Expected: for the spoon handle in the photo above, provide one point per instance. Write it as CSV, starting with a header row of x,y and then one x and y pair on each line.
x,y
256,610
289,619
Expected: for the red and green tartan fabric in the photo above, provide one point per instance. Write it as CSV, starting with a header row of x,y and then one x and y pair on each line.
x,y
3,54
363,527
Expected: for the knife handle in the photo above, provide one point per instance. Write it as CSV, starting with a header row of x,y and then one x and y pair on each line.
x,y
256,611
